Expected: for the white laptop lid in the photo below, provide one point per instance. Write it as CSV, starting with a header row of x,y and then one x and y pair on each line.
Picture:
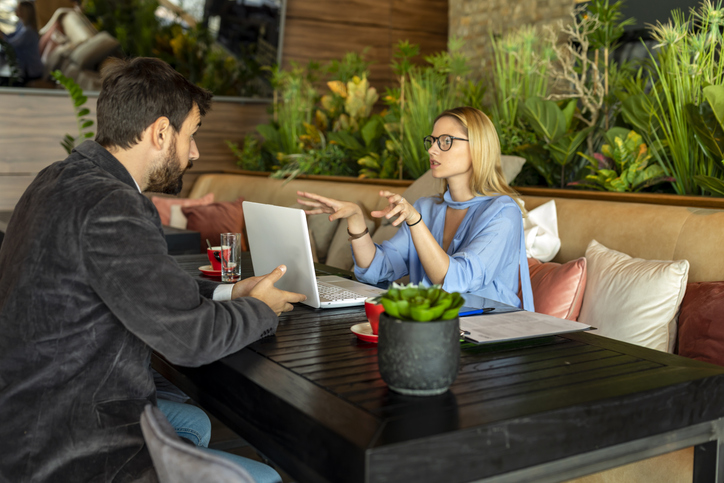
x,y
279,236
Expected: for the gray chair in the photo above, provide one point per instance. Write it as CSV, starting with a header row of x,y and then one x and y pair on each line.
x,y
179,462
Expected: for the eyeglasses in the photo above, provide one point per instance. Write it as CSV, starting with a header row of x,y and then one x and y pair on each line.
x,y
444,142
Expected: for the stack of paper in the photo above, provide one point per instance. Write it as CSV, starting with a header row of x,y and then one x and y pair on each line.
x,y
498,327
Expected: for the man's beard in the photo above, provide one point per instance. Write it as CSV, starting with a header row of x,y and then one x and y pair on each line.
x,y
167,176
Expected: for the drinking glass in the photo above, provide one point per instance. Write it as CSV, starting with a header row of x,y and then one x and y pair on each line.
x,y
230,257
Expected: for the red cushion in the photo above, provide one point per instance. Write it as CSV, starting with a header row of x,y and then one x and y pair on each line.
x,y
215,218
558,288
701,322
163,205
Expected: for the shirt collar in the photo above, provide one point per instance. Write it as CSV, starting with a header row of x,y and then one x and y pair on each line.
x,y
463,205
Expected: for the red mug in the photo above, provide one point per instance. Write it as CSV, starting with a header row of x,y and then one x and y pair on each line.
x,y
373,309
214,254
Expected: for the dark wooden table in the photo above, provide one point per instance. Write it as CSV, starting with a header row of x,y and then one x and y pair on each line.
x,y
548,409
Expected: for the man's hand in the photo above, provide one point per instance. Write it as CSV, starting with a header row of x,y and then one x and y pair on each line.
x,y
242,288
278,300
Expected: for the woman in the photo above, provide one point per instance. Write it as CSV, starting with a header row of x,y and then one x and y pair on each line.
x,y
469,239
25,42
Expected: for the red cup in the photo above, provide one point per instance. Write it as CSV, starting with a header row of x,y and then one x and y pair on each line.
x,y
372,311
214,254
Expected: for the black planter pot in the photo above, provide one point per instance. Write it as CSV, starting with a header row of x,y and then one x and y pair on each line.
x,y
418,358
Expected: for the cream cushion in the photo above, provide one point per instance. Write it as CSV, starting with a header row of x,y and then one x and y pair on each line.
x,y
177,218
541,232
632,299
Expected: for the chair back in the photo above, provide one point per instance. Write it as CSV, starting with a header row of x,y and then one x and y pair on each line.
x,y
178,462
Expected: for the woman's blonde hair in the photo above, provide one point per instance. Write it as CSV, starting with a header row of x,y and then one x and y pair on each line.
x,y
488,178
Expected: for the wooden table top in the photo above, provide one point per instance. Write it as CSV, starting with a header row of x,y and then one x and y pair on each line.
x,y
311,399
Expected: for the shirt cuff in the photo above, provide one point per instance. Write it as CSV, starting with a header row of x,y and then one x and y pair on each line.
x,y
223,291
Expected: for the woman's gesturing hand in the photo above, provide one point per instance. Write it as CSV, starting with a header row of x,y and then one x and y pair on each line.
x,y
319,204
398,206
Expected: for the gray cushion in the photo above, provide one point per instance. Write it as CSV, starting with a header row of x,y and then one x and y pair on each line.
x,y
178,462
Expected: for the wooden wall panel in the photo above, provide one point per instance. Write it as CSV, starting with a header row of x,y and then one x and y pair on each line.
x,y
359,12
428,16
32,123
325,30
31,128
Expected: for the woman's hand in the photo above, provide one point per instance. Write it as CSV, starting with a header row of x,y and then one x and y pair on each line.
x,y
320,204
398,206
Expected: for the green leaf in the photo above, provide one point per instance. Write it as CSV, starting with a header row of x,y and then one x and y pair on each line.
x,y
638,111
346,140
272,137
568,111
715,185
566,148
715,96
83,112
707,129
87,124
88,135
545,117
371,131
615,132
390,307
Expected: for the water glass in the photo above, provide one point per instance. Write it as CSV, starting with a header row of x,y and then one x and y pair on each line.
x,y
230,257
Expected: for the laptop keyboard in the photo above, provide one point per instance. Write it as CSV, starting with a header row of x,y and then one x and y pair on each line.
x,y
334,293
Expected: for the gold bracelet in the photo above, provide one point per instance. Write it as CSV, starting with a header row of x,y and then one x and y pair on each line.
x,y
360,235
418,221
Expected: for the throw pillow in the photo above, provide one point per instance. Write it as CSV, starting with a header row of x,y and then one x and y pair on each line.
x,y
163,205
701,326
541,232
632,299
511,165
178,220
558,288
215,218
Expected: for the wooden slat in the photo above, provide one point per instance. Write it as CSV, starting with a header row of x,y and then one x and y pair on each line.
x,y
352,12
31,128
32,125
430,16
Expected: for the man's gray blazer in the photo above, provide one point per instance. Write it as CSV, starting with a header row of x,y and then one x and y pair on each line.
x,y
87,291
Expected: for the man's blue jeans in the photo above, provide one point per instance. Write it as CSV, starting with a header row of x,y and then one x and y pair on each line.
x,y
192,423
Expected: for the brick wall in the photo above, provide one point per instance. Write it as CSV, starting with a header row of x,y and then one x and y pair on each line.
x,y
475,20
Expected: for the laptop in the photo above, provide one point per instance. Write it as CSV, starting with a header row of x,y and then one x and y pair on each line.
x,y
279,235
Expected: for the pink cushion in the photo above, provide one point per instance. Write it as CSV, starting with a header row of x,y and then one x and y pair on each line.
x,y
215,218
701,326
558,289
163,205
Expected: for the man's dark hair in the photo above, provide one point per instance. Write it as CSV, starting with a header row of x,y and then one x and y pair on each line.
x,y
136,92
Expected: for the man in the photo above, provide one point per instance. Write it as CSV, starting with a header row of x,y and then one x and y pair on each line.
x,y
87,290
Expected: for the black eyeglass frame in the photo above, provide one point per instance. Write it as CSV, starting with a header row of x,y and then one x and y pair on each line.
x,y
437,140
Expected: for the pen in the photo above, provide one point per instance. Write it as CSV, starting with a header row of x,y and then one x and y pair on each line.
x,y
484,310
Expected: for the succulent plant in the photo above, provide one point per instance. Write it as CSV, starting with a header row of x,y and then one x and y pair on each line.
x,y
421,304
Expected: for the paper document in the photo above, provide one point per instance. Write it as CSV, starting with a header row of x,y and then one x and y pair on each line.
x,y
494,327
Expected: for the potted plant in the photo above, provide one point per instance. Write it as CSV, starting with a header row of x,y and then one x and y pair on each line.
x,y
419,339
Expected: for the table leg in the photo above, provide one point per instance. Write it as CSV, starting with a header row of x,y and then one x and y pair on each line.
x,y
709,458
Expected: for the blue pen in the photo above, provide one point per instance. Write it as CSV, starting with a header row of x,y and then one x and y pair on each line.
x,y
484,310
